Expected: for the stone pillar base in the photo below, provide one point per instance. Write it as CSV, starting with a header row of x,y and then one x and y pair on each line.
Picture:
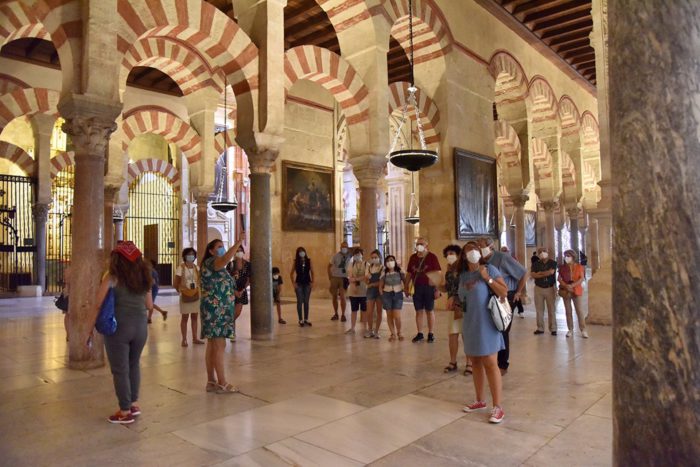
x,y
600,296
29,290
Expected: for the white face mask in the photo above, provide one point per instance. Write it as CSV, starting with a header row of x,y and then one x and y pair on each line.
x,y
275,276
568,259
358,257
473,256
420,248
544,255
485,251
375,260
451,259
343,250
239,254
391,264
302,254
189,258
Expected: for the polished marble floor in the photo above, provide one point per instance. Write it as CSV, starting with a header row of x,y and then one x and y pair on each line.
x,y
314,396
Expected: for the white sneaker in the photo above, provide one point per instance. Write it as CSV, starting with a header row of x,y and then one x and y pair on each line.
x,y
367,334
522,315
375,334
350,331
568,333
584,334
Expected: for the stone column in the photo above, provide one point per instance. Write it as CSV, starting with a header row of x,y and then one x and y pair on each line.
x,y
593,242
111,193
560,246
368,169
90,123
573,229
654,48
202,200
519,219
261,315
40,211
550,231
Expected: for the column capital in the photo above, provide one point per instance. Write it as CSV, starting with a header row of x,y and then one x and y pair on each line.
x,y
43,123
262,151
90,120
368,169
40,211
573,212
519,200
111,192
549,206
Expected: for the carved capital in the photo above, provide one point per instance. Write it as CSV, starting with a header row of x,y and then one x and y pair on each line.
x,y
549,206
40,211
262,161
368,169
90,135
519,201
573,212
262,151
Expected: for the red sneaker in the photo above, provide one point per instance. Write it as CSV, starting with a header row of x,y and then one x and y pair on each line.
x,y
121,419
497,415
135,410
475,406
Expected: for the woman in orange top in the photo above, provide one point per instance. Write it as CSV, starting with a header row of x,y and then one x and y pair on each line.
x,y
571,276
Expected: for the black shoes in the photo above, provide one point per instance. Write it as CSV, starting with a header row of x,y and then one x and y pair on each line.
x,y
554,333
307,323
301,324
537,331
431,338
418,338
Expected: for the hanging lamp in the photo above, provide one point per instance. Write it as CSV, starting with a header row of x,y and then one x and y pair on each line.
x,y
221,201
411,159
413,215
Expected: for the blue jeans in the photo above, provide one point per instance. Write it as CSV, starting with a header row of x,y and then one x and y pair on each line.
x,y
303,292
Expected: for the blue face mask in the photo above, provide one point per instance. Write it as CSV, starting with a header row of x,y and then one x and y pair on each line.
x,y
302,254
221,251
189,258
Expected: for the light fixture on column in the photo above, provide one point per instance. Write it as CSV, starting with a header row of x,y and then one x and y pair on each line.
x,y
221,202
117,215
413,215
419,158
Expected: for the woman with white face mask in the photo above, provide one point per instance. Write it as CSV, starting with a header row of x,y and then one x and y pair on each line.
x,y
302,276
391,284
357,290
239,269
374,296
482,341
454,306
187,285
571,276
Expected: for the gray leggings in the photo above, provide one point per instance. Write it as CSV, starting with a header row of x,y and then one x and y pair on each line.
x,y
124,354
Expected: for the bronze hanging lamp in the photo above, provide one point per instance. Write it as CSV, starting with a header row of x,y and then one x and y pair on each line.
x,y
222,202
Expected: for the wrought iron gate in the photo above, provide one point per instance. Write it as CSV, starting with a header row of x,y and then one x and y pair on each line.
x,y
153,222
59,232
17,243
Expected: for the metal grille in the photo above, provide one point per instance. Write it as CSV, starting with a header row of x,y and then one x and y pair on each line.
x,y
16,232
59,229
153,222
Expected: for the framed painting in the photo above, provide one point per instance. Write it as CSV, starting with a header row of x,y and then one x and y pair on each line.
x,y
476,202
308,201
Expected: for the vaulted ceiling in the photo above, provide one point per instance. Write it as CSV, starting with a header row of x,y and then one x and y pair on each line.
x,y
562,25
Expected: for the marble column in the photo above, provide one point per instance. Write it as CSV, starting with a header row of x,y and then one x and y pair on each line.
x,y
261,313
40,211
573,229
560,244
593,242
519,219
111,193
368,169
654,48
90,123
202,200
550,231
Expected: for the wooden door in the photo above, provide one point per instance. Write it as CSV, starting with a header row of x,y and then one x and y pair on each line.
x,y
150,242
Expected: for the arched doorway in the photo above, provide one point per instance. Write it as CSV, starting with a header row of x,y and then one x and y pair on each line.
x,y
59,231
153,222
16,231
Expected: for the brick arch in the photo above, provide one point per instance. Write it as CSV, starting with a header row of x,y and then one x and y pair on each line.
x,y
341,138
61,161
333,73
590,132
541,160
176,59
431,31
569,115
17,156
223,43
568,173
542,100
28,101
590,182
508,154
28,29
511,80
160,166
224,140
429,113
164,124
344,14
10,83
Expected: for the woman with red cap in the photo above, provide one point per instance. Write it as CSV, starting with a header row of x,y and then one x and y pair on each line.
x,y
130,277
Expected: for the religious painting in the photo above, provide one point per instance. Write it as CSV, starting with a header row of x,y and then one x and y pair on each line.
x,y
475,195
530,228
307,198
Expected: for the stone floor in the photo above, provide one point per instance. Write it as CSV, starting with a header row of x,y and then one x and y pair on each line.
x,y
314,396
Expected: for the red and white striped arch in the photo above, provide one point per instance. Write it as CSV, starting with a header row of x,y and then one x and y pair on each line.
x,y
343,14
428,111
184,65
568,173
508,155
542,100
569,115
28,101
224,140
431,34
333,73
17,156
27,28
172,128
201,26
61,161
160,166
511,81
10,83
590,132
541,159
589,178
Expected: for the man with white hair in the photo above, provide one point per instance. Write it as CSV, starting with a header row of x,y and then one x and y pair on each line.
x,y
422,263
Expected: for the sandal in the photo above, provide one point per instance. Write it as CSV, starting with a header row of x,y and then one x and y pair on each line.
x,y
211,386
392,338
281,321
184,344
228,389
450,367
400,337
468,370
165,315
198,342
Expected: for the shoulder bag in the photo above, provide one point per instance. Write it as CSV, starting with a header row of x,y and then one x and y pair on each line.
x,y
106,323
61,302
501,314
188,294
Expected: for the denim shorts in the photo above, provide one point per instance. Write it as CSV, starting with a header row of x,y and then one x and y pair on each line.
x,y
392,300
424,297
358,303
373,293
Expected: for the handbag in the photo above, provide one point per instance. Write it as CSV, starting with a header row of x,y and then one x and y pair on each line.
x,y
106,323
501,314
189,295
61,302
563,293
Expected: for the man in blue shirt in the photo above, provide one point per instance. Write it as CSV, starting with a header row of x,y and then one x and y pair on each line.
x,y
515,276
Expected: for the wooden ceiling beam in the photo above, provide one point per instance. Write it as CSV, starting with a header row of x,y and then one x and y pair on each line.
x,y
575,52
583,58
535,6
563,41
560,11
554,33
569,20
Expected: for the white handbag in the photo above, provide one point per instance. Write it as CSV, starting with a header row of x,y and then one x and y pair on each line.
x,y
501,314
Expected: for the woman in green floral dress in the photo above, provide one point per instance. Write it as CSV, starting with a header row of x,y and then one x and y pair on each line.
x,y
216,308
